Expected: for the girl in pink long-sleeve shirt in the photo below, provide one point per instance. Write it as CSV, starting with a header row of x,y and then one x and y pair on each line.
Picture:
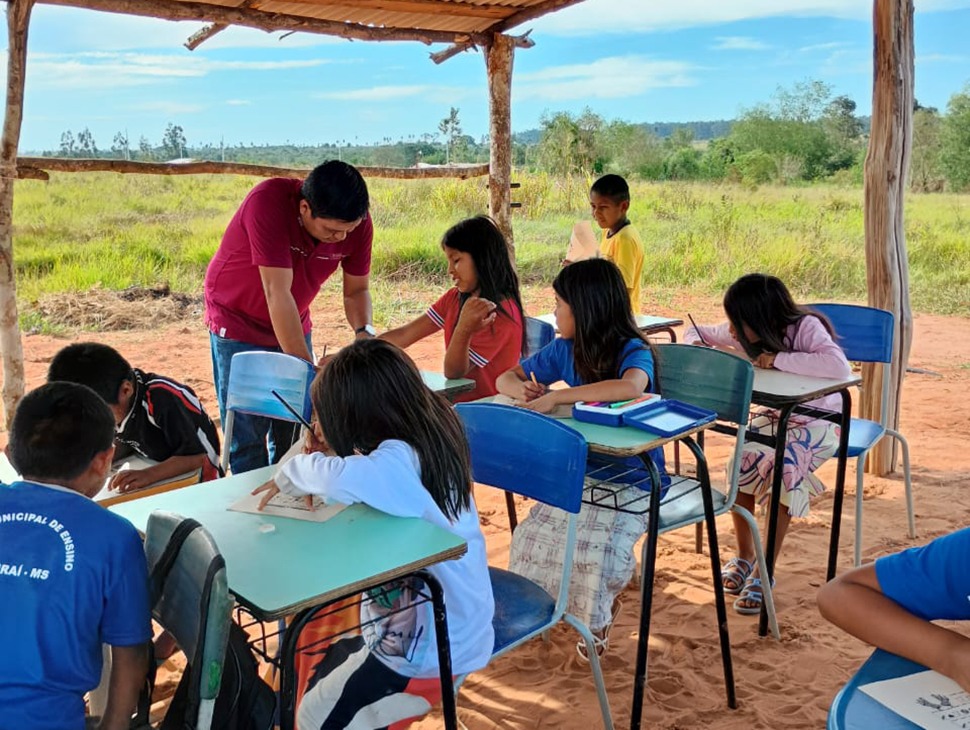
x,y
766,325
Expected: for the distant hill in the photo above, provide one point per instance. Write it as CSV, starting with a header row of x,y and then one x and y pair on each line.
x,y
702,130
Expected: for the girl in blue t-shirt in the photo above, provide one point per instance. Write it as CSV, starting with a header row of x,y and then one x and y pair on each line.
x,y
601,356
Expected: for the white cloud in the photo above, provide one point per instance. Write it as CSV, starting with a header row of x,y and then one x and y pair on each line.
x,y
940,58
391,93
101,70
170,108
606,78
819,47
606,16
238,102
739,43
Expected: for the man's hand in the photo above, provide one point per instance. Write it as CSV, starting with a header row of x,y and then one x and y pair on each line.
x,y
129,480
271,490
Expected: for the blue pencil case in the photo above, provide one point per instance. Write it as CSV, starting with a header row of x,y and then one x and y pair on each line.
x,y
668,417
611,414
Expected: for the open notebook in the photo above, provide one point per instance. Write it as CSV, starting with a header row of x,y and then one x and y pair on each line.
x,y
107,497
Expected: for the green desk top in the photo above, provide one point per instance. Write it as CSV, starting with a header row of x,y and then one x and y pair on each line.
x,y
300,564
448,387
647,323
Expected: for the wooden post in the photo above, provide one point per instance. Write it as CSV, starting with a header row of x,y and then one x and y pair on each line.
x,y
499,55
886,169
11,349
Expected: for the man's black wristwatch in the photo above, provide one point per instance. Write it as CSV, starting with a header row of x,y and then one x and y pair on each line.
x,y
368,328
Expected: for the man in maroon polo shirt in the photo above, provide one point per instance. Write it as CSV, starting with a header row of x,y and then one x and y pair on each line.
x,y
285,240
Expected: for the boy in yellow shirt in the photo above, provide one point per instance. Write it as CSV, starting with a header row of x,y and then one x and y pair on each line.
x,y
609,200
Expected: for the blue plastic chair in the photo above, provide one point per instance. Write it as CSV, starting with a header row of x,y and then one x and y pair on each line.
x,y
194,605
252,378
866,335
720,382
853,709
530,454
538,334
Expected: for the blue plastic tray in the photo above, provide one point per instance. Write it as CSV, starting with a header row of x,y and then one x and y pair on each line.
x,y
669,417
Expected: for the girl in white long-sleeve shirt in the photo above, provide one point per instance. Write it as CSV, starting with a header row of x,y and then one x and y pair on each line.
x,y
400,448
766,325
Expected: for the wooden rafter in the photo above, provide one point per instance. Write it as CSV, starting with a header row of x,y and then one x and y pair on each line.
x,y
34,167
253,18
203,34
523,16
465,10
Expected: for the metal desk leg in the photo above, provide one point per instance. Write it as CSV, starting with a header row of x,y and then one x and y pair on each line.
x,y
648,562
448,708
722,623
839,483
781,441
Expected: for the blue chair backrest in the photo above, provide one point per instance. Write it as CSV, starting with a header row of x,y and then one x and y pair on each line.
x,y
254,375
525,452
712,379
865,334
538,334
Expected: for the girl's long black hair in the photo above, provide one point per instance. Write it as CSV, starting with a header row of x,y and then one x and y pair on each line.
x,y
371,392
764,303
595,291
483,241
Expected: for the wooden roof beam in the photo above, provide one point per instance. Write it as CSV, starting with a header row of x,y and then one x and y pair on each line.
x,y
251,18
518,41
523,16
461,10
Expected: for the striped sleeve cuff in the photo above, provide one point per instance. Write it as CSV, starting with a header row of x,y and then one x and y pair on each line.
x,y
435,317
476,358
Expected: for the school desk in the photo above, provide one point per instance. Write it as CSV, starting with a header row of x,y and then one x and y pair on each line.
x,y
647,324
7,473
278,567
786,392
448,387
107,497
853,709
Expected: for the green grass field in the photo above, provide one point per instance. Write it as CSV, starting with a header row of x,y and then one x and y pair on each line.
x,y
113,231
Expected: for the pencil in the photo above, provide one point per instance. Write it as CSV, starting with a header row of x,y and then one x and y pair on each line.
x,y
291,409
532,374
697,330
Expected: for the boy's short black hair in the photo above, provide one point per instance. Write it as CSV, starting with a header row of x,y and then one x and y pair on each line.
x,y
97,366
336,190
613,187
57,430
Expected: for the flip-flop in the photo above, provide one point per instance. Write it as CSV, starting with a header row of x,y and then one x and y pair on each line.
x,y
734,574
751,592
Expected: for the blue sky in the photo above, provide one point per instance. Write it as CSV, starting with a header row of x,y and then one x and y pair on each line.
x,y
650,61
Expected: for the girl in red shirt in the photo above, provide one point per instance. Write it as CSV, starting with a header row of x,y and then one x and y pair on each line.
x,y
481,315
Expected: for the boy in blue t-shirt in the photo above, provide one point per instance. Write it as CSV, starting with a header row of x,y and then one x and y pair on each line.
x,y
73,576
890,604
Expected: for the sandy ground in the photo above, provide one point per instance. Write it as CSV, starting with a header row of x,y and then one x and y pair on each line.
x,y
788,683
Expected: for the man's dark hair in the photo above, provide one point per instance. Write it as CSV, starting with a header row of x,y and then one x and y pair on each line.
x,y
57,430
613,187
336,190
97,366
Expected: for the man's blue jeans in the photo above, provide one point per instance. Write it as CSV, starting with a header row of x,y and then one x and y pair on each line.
x,y
256,441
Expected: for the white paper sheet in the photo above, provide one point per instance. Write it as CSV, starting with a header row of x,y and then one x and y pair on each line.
x,y
582,243
927,699
129,462
563,411
283,505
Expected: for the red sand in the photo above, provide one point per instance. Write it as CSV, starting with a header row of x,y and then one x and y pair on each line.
x,y
789,684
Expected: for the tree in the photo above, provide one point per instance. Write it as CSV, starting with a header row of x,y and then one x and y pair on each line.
x,y
145,149
119,146
955,140
626,148
567,145
450,128
67,144
844,131
173,141
85,143
925,162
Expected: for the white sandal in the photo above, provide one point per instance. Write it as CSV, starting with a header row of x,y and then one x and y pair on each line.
x,y
600,644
